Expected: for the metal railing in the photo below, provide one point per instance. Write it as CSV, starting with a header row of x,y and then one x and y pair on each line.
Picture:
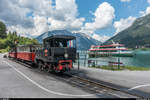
x,y
84,60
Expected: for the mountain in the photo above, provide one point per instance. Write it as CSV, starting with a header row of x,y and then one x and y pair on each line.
x,y
83,41
136,35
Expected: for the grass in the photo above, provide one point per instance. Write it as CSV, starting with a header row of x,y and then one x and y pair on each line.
x,y
3,50
115,68
133,68
143,49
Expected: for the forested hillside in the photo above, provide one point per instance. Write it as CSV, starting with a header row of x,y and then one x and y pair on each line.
x,y
10,39
136,35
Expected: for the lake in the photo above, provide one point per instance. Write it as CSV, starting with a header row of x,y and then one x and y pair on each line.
x,y
141,59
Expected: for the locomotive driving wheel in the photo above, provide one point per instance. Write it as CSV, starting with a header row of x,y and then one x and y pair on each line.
x,y
48,68
40,65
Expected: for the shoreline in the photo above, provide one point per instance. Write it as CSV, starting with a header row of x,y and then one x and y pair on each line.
x,y
121,68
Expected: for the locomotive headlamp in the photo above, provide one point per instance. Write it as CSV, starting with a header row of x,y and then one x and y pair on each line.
x,y
66,55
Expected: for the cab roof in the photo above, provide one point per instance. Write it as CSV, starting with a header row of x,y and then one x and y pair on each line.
x,y
64,37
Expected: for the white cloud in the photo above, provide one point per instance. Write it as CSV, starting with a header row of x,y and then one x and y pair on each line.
x,y
66,8
125,0
52,15
148,1
41,8
100,38
40,24
21,30
69,24
47,15
146,12
65,16
104,15
12,14
123,24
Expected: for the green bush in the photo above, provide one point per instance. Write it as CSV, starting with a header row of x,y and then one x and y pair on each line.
x,y
12,39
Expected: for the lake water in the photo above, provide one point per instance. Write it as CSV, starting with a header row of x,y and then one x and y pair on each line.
x,y
141,59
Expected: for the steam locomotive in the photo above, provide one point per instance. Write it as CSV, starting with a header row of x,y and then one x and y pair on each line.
x,y
57,53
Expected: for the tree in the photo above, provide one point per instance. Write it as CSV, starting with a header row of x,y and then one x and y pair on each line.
x,y
3,33
10,40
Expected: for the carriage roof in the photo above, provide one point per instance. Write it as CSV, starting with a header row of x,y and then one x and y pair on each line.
x,y
30,45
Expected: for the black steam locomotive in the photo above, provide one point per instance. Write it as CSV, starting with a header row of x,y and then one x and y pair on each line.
x,y
58,53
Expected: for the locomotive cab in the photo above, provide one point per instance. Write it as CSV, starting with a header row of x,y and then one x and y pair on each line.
x,y
60,47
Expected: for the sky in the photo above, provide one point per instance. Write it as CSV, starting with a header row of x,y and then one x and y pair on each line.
x,y
100,19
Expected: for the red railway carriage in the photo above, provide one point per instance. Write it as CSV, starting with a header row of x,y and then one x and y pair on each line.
x,y
26,52
12,53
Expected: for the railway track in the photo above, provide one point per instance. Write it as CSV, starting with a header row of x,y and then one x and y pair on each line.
x,y
22,63
99,88
89,85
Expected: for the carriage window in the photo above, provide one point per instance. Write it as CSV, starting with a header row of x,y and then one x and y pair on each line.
x,y
25,49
